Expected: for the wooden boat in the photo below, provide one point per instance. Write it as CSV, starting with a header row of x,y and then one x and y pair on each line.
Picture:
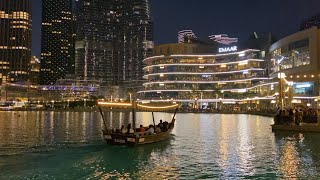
x,y
138,138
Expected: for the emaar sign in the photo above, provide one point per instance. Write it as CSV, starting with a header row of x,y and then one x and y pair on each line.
x,y
228,49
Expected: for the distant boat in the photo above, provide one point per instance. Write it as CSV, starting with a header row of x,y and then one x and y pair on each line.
x,y
286,123
138,138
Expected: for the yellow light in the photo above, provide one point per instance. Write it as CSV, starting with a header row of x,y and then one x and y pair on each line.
x,y
305,76
223,66
154,107
243,63
114,104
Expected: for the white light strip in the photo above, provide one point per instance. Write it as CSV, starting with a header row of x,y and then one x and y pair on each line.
x,y
227,90
216,55
154,57
204,55
205,73
203,82
199,64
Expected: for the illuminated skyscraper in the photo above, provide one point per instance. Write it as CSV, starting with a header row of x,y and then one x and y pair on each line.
x,y
15,40
57,40
113,37
94,40
136,37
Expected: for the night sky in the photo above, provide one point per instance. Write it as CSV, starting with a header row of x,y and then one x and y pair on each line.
x,y
238,18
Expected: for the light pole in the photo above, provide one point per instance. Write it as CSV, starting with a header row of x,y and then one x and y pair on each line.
x,y
216,101
201,94
68,103
85,102
52,104
130,95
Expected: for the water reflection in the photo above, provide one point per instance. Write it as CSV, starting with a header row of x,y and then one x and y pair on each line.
x,y
204,146
298,155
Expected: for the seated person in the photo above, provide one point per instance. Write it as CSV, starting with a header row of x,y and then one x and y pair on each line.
x,y
129,129
151,129
123,130
141,129
158,130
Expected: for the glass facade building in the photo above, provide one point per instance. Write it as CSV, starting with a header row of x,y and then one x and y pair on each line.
x,y
298,57
94,21
57,41
15,40
189,77
112,39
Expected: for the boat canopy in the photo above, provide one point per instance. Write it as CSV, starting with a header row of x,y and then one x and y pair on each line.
x,y
153,107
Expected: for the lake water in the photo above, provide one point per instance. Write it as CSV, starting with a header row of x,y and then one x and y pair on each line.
x,y
68,145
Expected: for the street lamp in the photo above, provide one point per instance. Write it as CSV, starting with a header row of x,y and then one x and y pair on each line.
x,y
201,94
216,101
85,102
52,104
130,95
68,103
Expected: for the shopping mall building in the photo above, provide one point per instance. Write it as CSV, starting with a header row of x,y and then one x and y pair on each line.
x,y
298,58
224,77
243,77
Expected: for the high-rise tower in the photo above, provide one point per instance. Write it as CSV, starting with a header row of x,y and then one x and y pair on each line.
x,y
112,39
57,40
94,40
15,40
136,37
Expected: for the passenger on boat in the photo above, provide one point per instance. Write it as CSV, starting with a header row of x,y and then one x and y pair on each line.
x,y
161,125
129,129
141,129
158,130
151,129
165,126
123,130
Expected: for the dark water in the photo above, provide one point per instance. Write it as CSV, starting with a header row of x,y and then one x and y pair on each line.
x,y
68,145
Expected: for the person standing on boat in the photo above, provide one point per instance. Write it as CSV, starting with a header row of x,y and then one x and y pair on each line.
x,y
161,125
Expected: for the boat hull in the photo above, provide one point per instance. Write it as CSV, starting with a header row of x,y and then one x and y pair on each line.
x,y
136,139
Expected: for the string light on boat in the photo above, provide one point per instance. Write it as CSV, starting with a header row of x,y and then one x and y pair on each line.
x,y
155,107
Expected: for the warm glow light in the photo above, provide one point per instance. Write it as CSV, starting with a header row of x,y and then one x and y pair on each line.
x,y
154,107
114,104
205,64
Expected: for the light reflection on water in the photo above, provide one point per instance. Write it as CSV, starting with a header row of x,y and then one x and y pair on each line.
x,y
41,145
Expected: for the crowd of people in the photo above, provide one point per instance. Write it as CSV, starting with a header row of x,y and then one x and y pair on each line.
x,y
296,116
151,129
